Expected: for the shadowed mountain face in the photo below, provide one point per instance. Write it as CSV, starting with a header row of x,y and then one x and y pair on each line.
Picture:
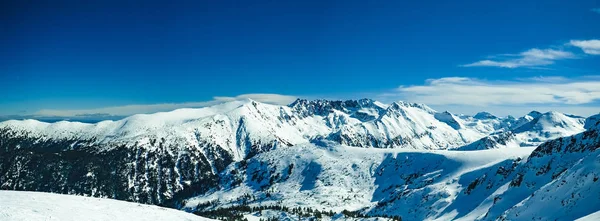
x,y
159,175
406,158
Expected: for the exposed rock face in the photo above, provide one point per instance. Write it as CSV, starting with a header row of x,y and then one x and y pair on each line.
x,y
157,174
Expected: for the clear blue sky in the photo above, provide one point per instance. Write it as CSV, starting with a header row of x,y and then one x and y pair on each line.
x,y
73,55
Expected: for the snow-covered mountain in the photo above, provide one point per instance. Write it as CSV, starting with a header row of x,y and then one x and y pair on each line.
x,y
530,130
236,126
29,206
400,159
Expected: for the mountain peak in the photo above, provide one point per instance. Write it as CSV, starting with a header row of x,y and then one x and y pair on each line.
x,y
534,114
484,115
552,121
449,119
400,104
321,106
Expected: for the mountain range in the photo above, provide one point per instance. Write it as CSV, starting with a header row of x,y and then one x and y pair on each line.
x,y
358,158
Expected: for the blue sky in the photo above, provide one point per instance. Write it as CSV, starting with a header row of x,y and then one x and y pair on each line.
x,y
61,58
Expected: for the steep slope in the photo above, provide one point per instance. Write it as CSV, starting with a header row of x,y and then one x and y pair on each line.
x,y
560,177
21,205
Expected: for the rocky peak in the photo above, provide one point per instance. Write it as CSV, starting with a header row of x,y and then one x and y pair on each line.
x,y
323,107
484,115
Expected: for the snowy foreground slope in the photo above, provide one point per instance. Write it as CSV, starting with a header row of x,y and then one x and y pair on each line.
x,y
592,217
30,206
351,159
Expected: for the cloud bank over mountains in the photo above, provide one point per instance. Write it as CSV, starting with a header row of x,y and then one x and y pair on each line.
x,y
461,95
117,112
578,96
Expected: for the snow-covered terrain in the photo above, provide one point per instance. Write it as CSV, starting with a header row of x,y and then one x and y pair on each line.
x,y
560,176
30,206
236,126
374,159
233,125
591,217
530,130
418,184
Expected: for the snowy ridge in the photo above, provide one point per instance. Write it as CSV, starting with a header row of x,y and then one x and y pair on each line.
x,y
22,205
530,132
550,125
237,126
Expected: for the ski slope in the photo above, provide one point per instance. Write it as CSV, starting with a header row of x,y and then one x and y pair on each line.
x,y
22,205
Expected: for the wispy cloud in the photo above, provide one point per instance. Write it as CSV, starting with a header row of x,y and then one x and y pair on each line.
x,y
472,91
530,58
597,10
477,94
126,110
537,58
588,46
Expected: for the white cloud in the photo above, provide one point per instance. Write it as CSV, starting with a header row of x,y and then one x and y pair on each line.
x,y
479,92
588,46
152,108
530,58
471,93
265,98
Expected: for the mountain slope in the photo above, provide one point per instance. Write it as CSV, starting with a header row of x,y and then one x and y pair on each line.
x,y
164,157
235,125
416,184
560,177
21,205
